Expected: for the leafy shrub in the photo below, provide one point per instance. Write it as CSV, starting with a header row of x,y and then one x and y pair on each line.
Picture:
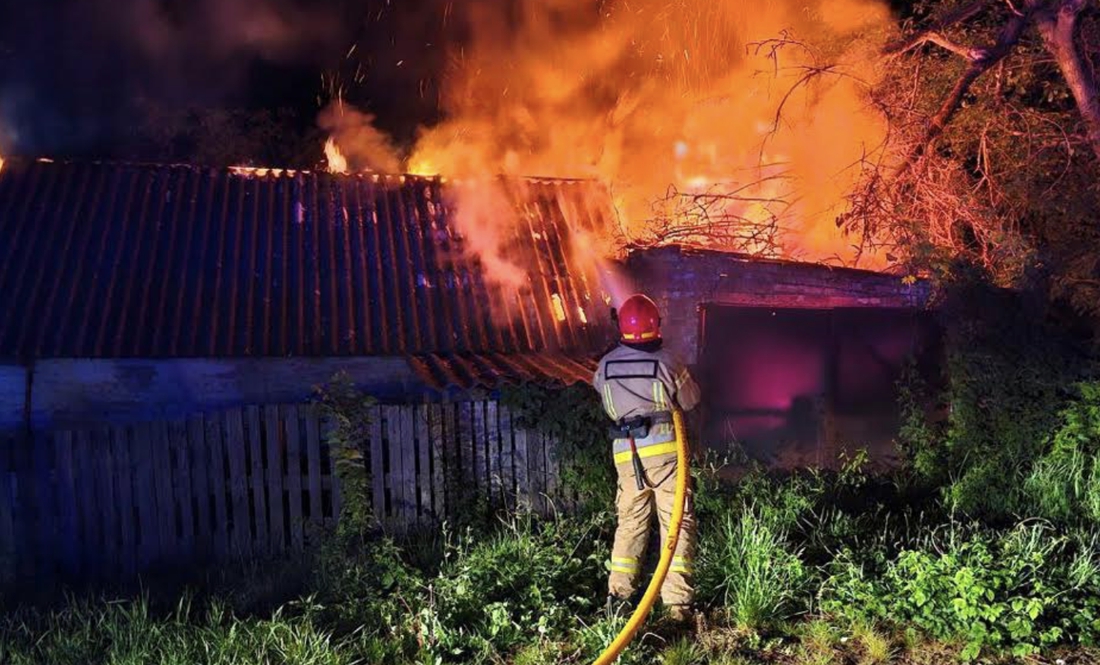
x,y
1065,483
369,592
1008,372
529,580
745,562
1014,591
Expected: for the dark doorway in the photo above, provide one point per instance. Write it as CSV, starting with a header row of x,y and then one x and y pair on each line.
x,y
797,387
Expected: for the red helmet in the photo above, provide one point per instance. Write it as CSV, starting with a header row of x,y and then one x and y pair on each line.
x,y
639,320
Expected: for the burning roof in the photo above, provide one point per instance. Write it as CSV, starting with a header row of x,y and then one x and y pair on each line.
x,y
120,260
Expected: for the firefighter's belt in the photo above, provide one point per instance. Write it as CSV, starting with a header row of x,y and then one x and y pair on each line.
x,y
637,427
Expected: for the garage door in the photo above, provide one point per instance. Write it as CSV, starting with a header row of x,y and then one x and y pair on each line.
x,y
796,387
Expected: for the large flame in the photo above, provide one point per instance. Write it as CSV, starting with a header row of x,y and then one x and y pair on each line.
x,y
693,112
337,163
734,125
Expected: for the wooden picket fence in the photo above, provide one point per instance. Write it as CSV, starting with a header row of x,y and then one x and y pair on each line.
x,y
246,483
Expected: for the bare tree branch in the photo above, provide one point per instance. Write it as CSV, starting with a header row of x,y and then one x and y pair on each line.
x,y
1009,36
971,53
1057,23
951,18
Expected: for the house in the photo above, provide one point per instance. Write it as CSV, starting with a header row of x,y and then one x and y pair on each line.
x,y
160,325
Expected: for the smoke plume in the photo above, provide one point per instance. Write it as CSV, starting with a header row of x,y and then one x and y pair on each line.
x,y
358,139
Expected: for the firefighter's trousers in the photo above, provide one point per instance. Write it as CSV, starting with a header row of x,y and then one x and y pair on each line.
x,y
635,511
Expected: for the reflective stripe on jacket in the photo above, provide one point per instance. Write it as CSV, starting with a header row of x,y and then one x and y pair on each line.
x,y
633,382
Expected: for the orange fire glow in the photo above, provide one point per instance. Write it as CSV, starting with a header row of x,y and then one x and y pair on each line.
x,y
337,163
758,110
730,125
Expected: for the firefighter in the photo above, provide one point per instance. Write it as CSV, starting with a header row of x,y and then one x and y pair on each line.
x,y
641,384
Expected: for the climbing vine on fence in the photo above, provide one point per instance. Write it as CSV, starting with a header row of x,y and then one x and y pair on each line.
x,y
347,410
574,418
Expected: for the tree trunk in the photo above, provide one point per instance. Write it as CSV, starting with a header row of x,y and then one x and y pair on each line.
x,y
1057,26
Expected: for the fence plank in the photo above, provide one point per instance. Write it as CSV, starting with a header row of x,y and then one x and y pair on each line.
x,y
481,462
408,462
536,459
257,480
552,469
435,441
8,539
89,529
46,501
181,488
294,476
313,459
466,447
122,459
103,470
200,485
144,495
452,462
275,478
66,505
394,477
377,466
492,447
235,444
507,454
23,506
523,495
166,503
215,447
424,456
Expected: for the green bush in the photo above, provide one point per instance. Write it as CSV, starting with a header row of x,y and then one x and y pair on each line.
x,y
1065,483
746,563
348,412
1019,590
1008,372
527,581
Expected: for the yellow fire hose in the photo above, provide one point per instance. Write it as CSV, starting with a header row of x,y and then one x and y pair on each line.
x,y
668,549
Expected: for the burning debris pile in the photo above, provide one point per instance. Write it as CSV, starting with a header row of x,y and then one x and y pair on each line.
x,y
738,126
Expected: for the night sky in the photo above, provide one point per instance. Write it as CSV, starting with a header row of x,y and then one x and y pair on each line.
x,y
78,77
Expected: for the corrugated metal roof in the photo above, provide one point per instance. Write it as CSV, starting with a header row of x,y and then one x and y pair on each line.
x,y
122,260
489,370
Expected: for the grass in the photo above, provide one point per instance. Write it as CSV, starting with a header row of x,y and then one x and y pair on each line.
x,y
795,571
750,568
875,646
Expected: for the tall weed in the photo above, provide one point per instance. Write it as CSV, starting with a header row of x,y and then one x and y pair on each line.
x,y
747,565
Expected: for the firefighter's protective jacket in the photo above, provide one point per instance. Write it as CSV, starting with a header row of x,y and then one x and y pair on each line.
x,y
635,382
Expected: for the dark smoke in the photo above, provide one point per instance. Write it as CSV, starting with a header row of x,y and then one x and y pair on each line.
x,y
80,76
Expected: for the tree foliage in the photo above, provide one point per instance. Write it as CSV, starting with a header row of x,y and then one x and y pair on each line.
x,y
995,155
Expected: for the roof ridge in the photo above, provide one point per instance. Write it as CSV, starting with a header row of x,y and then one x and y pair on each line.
x,y
279,171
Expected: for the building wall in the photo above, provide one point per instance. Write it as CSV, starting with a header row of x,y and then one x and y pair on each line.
x,y
773,343
682,281
13,382
80,392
